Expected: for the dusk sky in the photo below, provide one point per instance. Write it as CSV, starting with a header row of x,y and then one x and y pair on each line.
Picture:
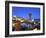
x,y
24,11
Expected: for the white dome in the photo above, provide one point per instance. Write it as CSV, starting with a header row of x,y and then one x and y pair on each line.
x,y
14,16
32,19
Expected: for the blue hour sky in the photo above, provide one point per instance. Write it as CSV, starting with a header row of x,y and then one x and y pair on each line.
x,y
24,11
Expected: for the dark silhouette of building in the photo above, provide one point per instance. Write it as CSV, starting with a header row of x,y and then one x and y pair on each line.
x,y
30,16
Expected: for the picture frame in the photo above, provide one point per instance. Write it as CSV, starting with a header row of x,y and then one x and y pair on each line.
x,y
16,4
